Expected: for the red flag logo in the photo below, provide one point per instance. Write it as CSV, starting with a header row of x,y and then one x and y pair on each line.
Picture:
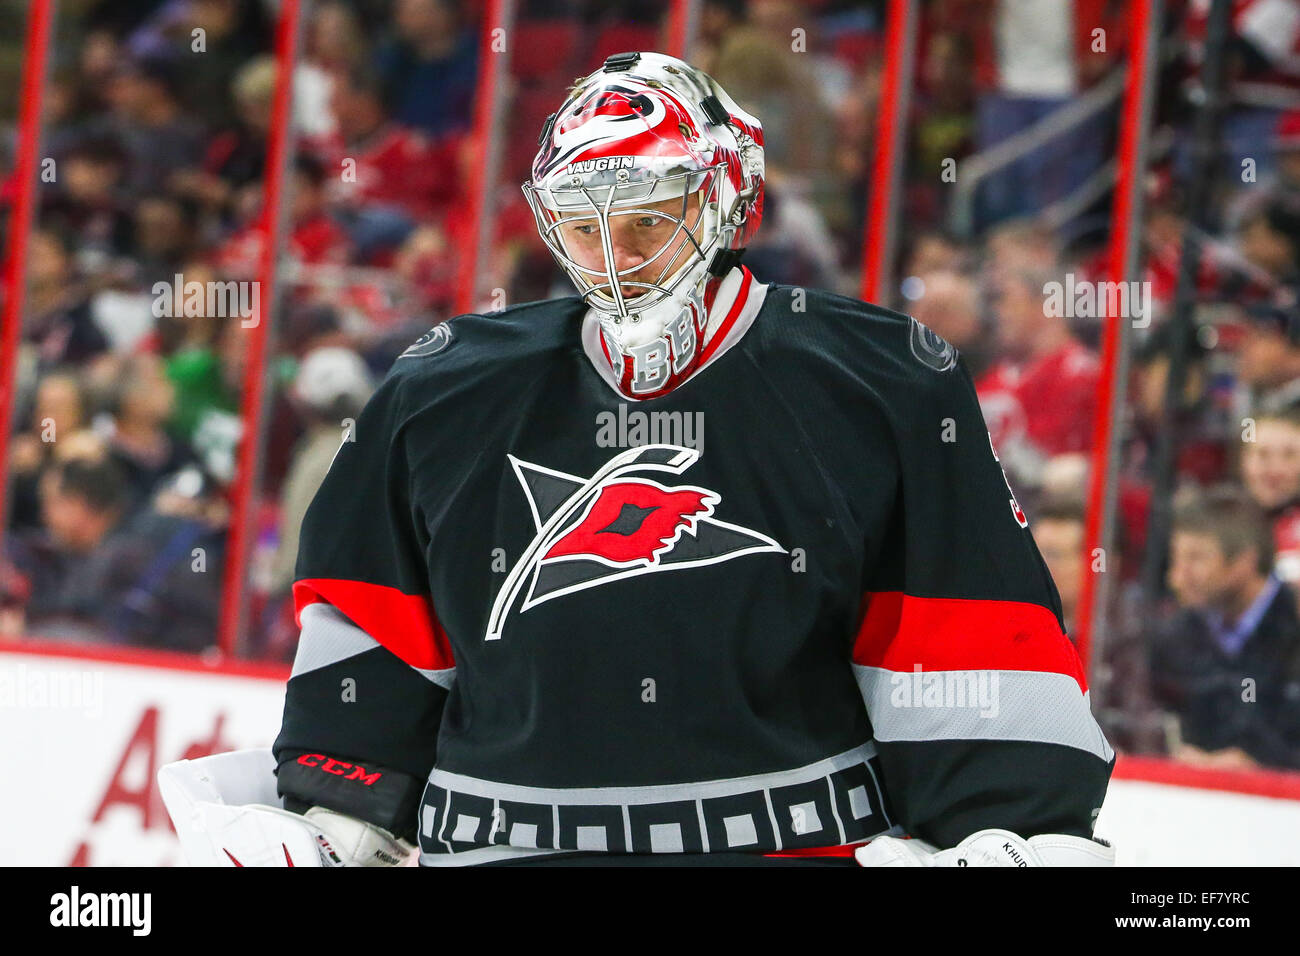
x,y
633,521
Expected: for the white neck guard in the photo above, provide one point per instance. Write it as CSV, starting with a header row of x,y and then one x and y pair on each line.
x,y
737,302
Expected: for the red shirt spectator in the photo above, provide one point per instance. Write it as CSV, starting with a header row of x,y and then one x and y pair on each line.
x,y
314,241
1048,401
396,166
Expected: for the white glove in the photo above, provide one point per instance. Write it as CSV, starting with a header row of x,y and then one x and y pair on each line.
x,y
227,813
988,848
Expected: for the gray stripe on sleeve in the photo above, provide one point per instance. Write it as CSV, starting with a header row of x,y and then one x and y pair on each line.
x,y
980,705
329,637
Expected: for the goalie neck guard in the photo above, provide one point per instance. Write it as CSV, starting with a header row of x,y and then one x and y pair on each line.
x,y
648,142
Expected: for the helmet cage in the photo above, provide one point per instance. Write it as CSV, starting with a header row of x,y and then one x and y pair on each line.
x,y
601,289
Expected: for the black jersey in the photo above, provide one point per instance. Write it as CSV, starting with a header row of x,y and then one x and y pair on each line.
x,y
791,604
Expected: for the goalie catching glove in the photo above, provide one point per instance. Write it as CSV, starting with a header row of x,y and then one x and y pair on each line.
x,y
227,813
989,848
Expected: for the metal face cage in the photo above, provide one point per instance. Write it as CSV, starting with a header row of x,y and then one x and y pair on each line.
x,y
554,207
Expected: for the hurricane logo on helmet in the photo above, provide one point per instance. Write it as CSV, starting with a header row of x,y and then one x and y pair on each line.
x,y
599,118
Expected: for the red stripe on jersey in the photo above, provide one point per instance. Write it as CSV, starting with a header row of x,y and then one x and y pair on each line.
x,y
839,851
403,623
900,631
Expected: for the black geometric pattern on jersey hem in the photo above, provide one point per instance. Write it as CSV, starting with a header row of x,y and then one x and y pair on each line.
x,y
838,800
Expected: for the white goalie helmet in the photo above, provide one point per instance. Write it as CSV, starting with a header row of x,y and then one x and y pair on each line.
x,y
644,130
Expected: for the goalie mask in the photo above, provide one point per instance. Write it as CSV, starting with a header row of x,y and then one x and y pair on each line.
x,y
647,188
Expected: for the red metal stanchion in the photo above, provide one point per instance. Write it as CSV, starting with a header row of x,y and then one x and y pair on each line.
x,y
253,406
40,16
681,27
1122,264
496,37
887,164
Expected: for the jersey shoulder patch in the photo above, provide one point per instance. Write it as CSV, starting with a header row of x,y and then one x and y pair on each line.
x,y
431,342
930,348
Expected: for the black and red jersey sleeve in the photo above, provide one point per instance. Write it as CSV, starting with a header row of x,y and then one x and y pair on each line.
x,y
373,665
977,698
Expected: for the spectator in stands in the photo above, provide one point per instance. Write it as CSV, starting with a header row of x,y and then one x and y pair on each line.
x,y
717,19
142,403
232,31
427,261
1058,532
84,201
189,346
1270,472
163,237
851,154
58,322
1040,398
1023,244
1204,424
95,574
333,46
156,132
335,42
234,158
1263,75
758,68
100,53
1268,359
207,375
59,409
934,251
386,177
1270,240
159,579
330,389
82,504
429,67
1228,664
315,238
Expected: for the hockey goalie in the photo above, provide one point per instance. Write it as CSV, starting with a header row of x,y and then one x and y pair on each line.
x,y
686,567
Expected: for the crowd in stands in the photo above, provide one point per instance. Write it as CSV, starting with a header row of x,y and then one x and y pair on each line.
x,y
124,456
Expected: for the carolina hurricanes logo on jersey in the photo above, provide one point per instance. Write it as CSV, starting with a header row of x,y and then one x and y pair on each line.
x,y
616,524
